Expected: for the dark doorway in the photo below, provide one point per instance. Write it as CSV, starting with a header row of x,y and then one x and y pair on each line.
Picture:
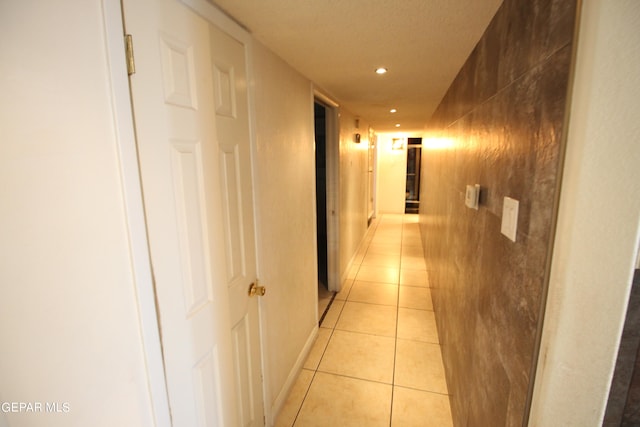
x,y
320,118
414,156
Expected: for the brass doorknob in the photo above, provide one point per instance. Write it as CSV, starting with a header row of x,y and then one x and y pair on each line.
x,y
256,290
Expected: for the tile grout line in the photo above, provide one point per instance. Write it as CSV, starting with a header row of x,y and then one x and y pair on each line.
x,y
326,310
333,329
317,367
395,343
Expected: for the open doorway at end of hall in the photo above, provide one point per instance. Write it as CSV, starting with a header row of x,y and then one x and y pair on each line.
x,y
414,158
322,129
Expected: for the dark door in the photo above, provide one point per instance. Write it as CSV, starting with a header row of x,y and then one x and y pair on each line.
x,y
414,157
320,114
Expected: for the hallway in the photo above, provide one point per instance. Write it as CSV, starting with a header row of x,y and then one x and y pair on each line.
x,y
376,360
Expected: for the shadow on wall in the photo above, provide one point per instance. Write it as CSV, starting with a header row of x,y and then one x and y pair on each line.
x,y
623,407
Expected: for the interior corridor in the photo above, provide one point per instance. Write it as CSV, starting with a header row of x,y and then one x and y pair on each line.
x,y
376,361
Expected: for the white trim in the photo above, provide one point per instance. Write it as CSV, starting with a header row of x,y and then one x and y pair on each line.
x,y
333,189
220,19
262,302
293,375
371,215
134,212
324,98
598,229
363,245
314,196
333,199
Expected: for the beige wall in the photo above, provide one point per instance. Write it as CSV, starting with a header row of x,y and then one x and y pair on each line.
x,y
69,323
285,191
392,172
353,187
285,188
598,222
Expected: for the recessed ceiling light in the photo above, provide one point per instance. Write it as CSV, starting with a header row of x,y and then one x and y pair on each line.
x,y
397,125
381,70
393,110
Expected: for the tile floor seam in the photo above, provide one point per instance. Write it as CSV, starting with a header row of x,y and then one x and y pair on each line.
x,y
375,283
419,389
315,371
416,309
420,341
356,378
325,349
372,303
363,333
395,341
306,393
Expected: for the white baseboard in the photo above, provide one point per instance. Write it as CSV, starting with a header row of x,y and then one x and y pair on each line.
x,y
363,240
279,401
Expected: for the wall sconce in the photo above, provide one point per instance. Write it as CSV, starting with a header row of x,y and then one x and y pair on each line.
x,y
356,138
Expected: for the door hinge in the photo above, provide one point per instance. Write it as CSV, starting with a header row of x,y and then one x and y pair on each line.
x,y
128,46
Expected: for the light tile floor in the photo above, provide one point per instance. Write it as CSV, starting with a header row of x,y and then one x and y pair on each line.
x,y
377,358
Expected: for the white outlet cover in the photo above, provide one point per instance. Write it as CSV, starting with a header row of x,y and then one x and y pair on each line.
x,y
509,225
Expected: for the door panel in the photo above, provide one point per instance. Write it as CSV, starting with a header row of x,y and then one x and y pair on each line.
x,y
188,184
232,120
236,263
178,72
190,104
207,391
241,340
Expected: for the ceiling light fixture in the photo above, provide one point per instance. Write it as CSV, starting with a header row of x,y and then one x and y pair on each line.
x,y
393,110
381,70
397,125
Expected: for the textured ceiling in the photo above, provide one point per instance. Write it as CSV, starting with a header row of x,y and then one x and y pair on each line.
x,y
339,43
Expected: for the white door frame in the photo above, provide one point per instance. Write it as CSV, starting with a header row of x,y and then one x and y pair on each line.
x,y
132,194
134,212
333,189
373,140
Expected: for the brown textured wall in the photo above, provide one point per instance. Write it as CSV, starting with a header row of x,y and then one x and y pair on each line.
x,y
504,116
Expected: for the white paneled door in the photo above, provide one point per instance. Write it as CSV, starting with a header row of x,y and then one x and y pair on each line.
x,y
191,111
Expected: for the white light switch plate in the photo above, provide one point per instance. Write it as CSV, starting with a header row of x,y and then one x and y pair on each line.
x,y
510,218
472,196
